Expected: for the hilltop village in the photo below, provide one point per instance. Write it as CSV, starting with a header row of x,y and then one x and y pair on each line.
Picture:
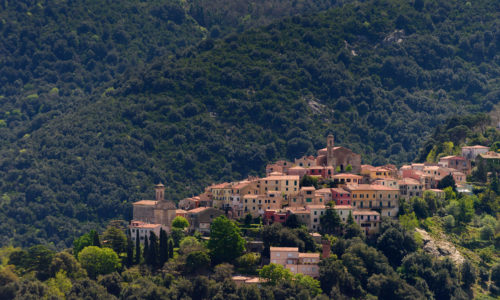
x,y
307,189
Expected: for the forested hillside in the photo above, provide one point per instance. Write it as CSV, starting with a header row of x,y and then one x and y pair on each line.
x,y
380,75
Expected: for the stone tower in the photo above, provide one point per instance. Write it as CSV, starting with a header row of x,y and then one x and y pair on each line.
x,y
160,192
329,150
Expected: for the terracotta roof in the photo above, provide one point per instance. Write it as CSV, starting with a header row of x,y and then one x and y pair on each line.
x,y
255,280
408,180
370,187
475,147
324,190
308,188
241,185
299,212
321,167
145,225
283,177
490,154
311,255
435,190
342,207
296,168
365,213
339,190
197,210
347,175
145,202
180,211
284,249
316,206
453,157
224,185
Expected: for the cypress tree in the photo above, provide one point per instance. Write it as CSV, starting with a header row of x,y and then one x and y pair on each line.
x,y
137,248
163,255
146,250
152,257
130,251
170,248
94,237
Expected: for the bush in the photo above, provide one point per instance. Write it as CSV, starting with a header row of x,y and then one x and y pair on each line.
x,y
449,222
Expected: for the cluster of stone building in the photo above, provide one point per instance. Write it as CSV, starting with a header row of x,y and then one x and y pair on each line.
x,y
366,192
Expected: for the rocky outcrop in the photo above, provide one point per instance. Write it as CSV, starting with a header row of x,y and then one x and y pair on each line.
x,y
440,248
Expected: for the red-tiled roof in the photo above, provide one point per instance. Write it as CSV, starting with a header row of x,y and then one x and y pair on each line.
x,y
284,249
145,202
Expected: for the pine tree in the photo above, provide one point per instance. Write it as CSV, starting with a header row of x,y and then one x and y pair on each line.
x,y
137,248
152,257
170,248
130,251
94,237
163,255
146,250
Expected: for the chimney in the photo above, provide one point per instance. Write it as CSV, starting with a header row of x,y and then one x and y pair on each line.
x,y
160,192
326,246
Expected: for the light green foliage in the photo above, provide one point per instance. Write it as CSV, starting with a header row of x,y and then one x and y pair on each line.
x,y
54,91
275,273
449,222
189,244
98,261
449,194
308,283
408,221
60,285
247,263
115,239
226,243
180,222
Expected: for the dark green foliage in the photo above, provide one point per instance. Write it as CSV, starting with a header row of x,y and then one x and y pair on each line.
x,y
129,260
115,239
89,289
330,222
308,181
495,280
446,182
170,248
100,101
163,248
152,256
145,254
226,243
278,236
395,241
468,274
292,221
112,283
197,261
37,258
137,248
94,238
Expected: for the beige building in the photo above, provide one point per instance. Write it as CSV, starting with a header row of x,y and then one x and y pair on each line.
x,y
338,157
343,211
371,196
159,211
369,220
316,211
305,161
471,152
286,184
201,218
144,230
409,188
296,262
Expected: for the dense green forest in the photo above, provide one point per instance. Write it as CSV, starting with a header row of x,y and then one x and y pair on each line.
x,y
96,109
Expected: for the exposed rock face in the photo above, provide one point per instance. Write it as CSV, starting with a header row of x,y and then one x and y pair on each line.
x,y
440,248
395,37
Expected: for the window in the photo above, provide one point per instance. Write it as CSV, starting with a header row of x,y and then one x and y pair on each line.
x,y
278,254
315,212
290,254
